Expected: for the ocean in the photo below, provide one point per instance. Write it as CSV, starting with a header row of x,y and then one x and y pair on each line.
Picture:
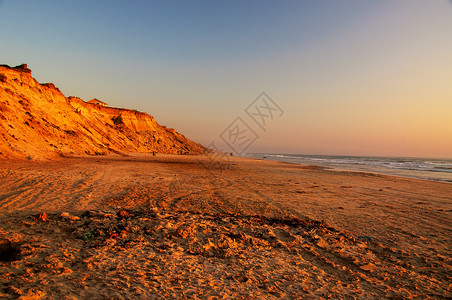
x,y
420,168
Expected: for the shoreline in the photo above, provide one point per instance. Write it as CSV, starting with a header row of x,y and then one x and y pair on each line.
x,y
384,171
202,156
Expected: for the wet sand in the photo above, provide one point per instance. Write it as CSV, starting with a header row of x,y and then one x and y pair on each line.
x,y
141,226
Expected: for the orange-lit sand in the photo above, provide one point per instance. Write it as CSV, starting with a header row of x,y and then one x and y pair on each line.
x,y
237,229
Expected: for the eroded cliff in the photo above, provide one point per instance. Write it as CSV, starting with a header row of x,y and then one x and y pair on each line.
x,y
37,121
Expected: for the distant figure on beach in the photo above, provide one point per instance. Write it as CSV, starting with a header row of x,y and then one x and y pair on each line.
x,y
153,153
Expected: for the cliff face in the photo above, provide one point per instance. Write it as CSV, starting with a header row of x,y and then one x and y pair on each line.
x,y
37,121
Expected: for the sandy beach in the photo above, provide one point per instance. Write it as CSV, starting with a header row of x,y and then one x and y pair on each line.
x,y
174,226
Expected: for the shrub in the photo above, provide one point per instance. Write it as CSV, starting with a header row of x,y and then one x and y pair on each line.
x,y
117,120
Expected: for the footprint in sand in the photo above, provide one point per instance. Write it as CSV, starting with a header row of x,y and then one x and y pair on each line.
x,y
283,235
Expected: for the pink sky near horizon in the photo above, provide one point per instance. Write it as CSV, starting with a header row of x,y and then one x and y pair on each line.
x,y
353,77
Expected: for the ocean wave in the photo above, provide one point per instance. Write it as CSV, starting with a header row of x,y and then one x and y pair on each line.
x,y
419,168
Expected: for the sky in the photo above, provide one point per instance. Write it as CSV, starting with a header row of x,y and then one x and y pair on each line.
x,y
351,77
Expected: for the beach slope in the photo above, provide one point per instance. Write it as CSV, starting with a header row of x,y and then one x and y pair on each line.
x,y
186,227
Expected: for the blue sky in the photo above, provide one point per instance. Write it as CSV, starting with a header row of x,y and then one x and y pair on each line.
x,y
353,77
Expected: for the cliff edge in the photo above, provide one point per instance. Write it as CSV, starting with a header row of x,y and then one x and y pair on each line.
x,y
37,122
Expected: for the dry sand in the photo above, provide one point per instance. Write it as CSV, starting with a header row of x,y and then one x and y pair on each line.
x,y
183,227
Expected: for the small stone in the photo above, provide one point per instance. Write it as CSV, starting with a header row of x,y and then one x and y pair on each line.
x,y
169,225
123,214
322,243
42,217
123,234
369,267
65,215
